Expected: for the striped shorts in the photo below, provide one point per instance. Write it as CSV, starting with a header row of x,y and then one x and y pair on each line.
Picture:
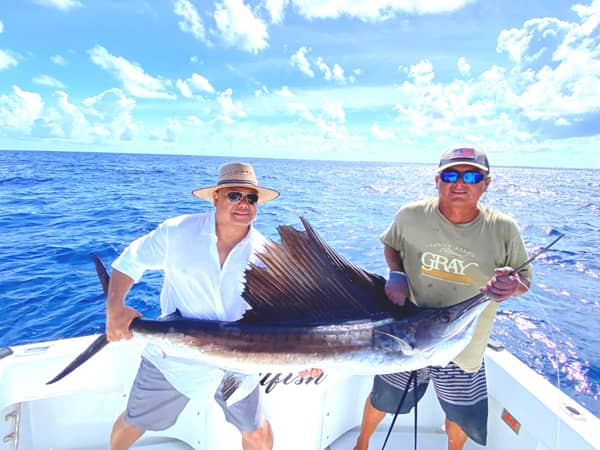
x,y
462,395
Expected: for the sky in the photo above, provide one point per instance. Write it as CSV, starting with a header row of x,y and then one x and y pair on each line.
x,y
372,80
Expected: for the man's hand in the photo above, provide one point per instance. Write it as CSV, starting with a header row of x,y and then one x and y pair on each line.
x,y
118,320
396,288
505,284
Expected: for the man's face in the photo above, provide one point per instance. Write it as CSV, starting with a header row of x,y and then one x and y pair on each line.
x,y
228,212
460,193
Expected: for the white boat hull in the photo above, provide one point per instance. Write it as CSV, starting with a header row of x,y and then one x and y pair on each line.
x,y
78,412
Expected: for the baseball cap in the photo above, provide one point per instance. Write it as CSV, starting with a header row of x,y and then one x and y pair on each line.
x,y
464,155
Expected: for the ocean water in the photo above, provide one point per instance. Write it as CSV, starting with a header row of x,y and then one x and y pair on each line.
x,y
57,208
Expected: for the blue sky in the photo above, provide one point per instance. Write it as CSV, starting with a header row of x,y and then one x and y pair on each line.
x,y
387,80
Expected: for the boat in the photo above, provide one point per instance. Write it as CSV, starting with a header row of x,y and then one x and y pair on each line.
x,y
526,411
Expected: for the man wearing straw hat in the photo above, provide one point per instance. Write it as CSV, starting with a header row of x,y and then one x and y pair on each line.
x,y
203,258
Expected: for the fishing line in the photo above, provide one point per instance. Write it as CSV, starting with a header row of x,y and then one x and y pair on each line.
x,y
556,356
546,317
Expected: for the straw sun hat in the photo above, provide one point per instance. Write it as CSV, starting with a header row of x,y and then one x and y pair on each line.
x,y
237,175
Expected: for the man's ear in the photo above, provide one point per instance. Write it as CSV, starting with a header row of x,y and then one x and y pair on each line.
x,y
488,180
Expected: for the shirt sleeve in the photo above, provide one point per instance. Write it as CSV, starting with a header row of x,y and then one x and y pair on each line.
x,y
392,236
148,252
517,254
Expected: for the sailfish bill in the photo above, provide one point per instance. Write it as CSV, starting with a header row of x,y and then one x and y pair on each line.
x,y
312,308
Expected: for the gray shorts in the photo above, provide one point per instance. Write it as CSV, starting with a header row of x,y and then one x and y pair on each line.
x,y
462,395
154,404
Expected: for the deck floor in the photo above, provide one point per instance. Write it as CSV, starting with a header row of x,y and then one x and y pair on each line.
x,y
156,443
399,440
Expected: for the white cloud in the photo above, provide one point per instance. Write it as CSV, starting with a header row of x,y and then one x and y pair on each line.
x,y
284,92
514,42
373,10
238,27
334,111
463,66
300,61
190,22
58,60
196,83
265,134
184,88
300,109
110,115
135,81
62,5
324,68
199,83
454,109
338,73
1,27
261,91
7,60
19,110
422,72
275,9
382,134
230,109
194,121
169,134
47,80
63,119
557,71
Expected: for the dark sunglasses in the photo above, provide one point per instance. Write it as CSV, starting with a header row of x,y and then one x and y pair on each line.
x,y
236,197
469,177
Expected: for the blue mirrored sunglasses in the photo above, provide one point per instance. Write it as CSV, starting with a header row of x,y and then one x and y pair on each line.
x,y
236,197
469,177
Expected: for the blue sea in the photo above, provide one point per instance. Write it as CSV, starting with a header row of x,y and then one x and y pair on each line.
x,y
57,208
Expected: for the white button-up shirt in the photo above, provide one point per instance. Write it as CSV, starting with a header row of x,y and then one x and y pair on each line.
x,y
185,249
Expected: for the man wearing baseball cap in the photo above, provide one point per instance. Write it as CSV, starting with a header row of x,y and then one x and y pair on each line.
x,y
439,252
203,258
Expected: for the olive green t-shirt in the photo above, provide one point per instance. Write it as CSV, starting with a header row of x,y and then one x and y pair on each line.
x,y
446,263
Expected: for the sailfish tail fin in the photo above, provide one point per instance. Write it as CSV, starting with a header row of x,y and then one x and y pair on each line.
x,y
101,341
98,344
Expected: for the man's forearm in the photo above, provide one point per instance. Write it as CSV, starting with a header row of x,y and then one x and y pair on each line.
x,y
118,287
392,258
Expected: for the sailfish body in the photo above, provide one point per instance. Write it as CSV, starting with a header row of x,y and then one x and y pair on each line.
x,y
313,308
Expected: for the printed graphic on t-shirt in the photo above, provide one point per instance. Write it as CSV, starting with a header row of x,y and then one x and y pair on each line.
x,y
447,263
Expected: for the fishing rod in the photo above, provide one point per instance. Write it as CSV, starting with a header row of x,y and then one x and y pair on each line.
x,y
413,375
538,253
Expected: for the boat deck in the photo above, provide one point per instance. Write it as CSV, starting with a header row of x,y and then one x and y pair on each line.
x,y
526,412
399,440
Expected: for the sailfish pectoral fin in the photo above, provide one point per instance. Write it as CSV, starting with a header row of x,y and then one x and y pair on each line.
x,y
237,386
406,347
230,384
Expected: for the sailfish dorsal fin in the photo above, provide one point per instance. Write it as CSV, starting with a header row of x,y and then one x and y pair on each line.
x,y
305,280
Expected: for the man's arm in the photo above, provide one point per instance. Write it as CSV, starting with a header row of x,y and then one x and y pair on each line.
x,y
392,258
119,315
396,287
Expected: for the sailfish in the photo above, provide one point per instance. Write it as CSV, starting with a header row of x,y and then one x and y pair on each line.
x,y
311,307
